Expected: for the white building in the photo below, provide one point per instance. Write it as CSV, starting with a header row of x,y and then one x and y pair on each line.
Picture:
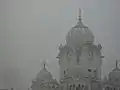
x,y
80,62
113,80
44,81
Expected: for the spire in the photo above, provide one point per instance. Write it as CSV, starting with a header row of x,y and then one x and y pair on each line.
x,y
116,64
79,14
79,23
44,63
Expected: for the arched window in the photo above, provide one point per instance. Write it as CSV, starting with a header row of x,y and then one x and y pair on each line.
x,y
70,87
64,72
79,87
78,54
82,87
76,88
89,70
73,86
90,53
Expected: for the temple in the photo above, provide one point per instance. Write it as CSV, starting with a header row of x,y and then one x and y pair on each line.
x,y
80,62
112,82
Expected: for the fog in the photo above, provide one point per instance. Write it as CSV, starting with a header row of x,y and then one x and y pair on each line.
x,y
31,30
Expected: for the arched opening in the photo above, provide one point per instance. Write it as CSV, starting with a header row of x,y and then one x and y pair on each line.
x,y
79,87
76,88
83,87
78,54
70,87
89,70
90,53
73,86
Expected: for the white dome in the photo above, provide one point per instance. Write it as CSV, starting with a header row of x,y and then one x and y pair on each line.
x,y
79,35
44,74
115,72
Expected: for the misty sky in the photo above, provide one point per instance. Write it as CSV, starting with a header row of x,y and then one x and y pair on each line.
x,y
31,30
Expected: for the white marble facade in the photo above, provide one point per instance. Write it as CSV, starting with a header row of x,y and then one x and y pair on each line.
x,y
112,82
80,62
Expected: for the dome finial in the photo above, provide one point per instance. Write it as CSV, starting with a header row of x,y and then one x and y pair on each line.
x,y
79,14
116,64
44,64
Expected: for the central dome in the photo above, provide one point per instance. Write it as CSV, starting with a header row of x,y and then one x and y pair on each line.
x,y
79,34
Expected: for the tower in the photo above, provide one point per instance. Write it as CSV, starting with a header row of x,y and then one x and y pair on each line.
x,y
113,81
80,57
44,80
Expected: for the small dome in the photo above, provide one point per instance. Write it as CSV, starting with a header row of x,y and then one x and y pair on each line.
x,y
79,35
44,74
115,74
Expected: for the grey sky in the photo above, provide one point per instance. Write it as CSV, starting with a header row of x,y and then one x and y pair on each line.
x,y
31,30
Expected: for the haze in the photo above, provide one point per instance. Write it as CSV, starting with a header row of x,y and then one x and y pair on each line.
x,y
31,30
